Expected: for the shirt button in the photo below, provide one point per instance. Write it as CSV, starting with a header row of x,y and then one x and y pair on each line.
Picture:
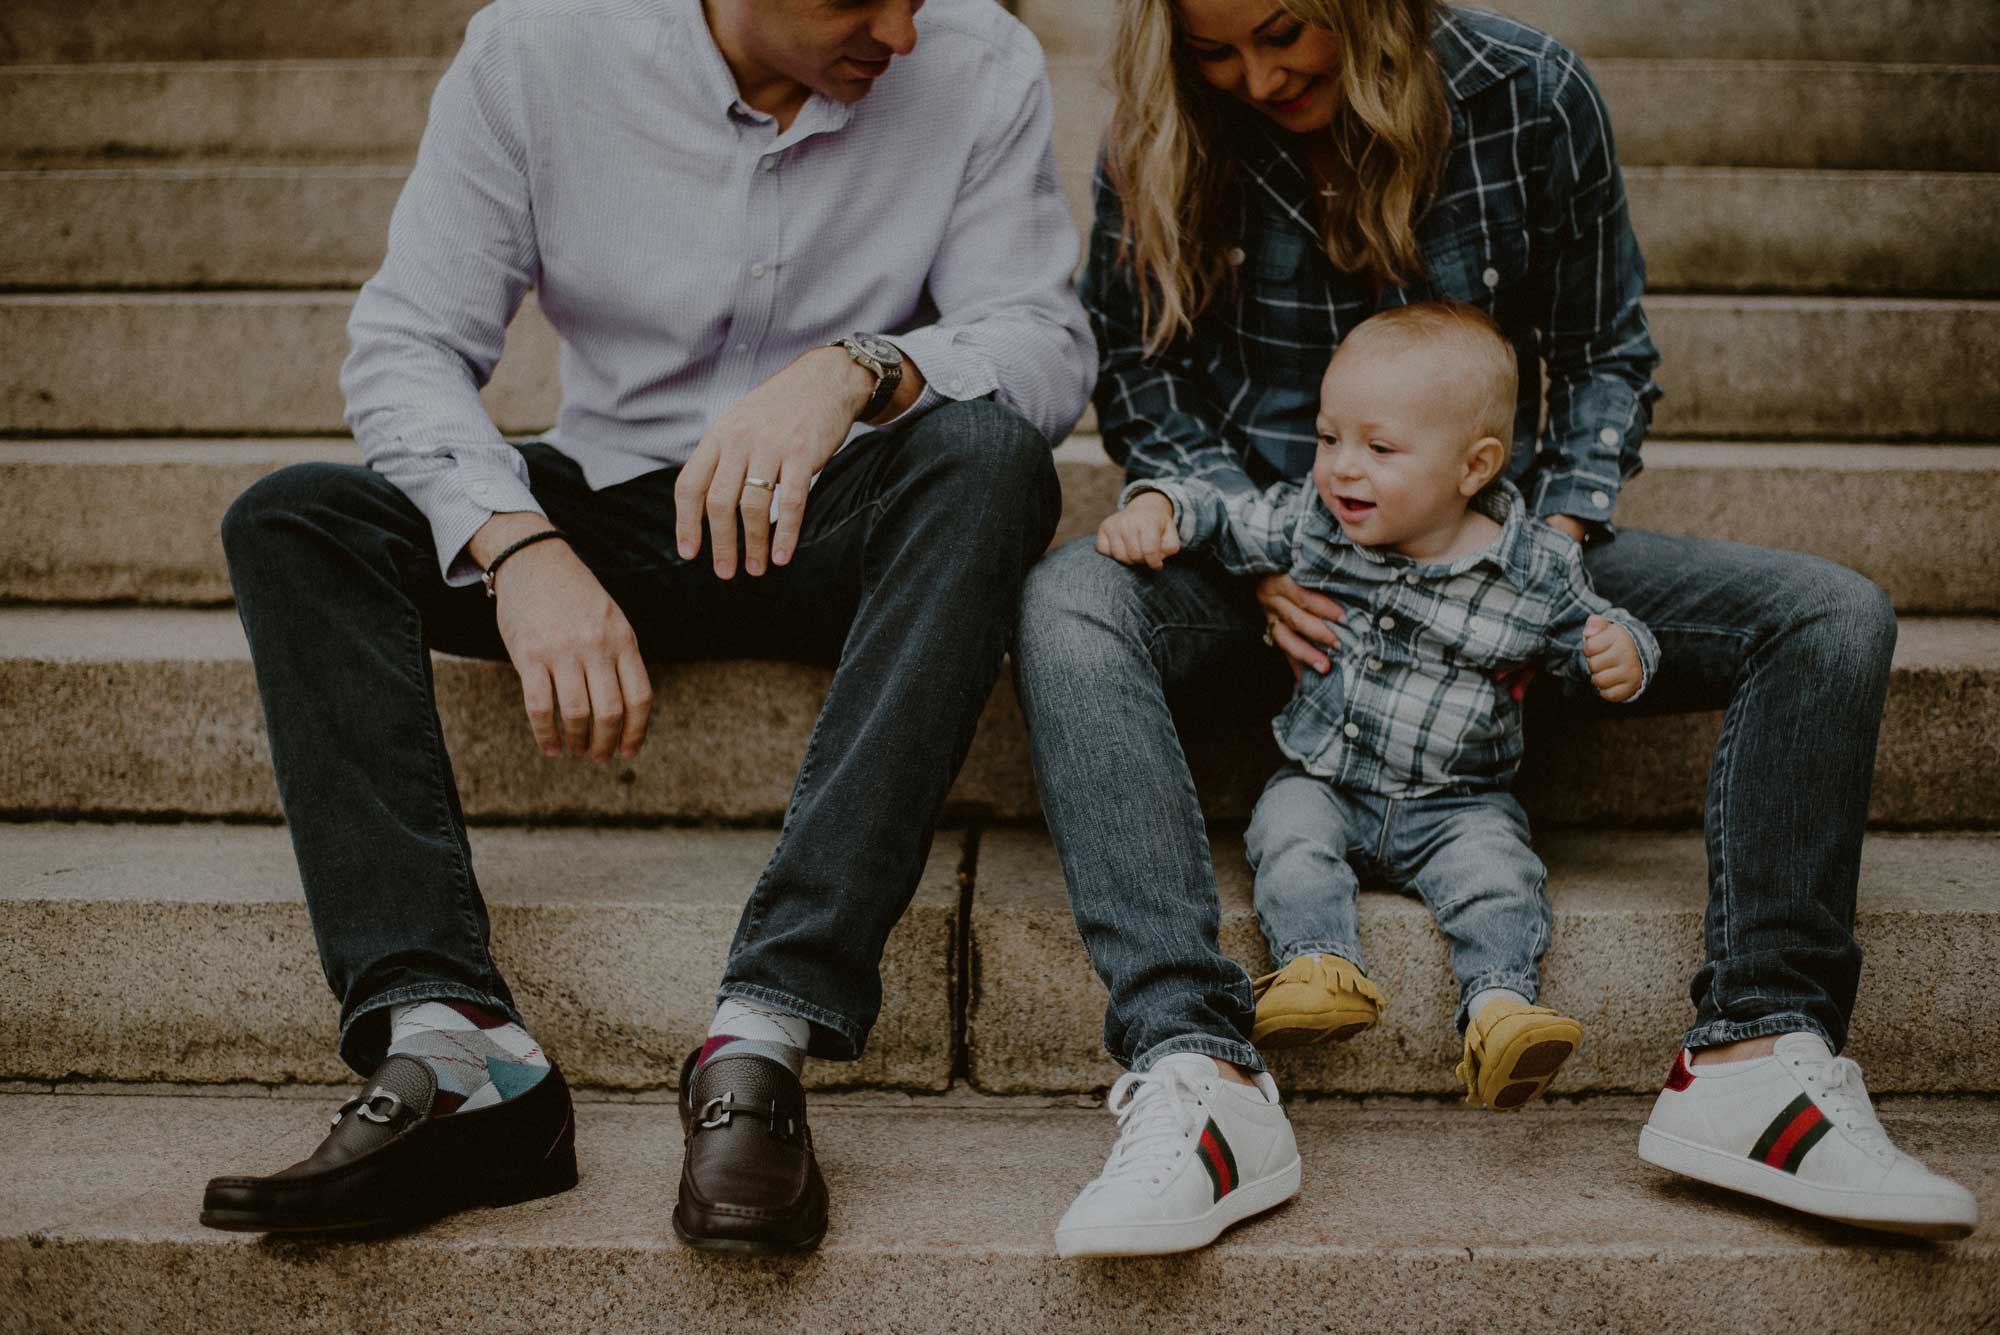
x,y
1374,665
1609,435
1491,278
1352,730
769,164
757,271
1386,622
1235,255
1600,500
743,347
1410,578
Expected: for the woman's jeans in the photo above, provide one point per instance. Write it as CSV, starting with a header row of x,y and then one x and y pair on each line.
x,y
907,576
1465,854
1795,649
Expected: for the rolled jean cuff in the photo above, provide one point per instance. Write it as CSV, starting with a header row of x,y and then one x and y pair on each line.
x,y
363,1061
1347,950
1527,982
834,1038
1718,1032
1234,1051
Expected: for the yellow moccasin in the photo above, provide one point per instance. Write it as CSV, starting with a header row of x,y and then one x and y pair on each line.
x,y
1513,1051
1314,999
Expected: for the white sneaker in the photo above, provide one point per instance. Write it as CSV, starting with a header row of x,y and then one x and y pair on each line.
x,y
1797,1128
1195,1154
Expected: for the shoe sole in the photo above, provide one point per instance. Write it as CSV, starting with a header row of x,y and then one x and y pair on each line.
x,y
1294,1034
1183,1235
1917,1216
746,1246
556,1174
1531,1062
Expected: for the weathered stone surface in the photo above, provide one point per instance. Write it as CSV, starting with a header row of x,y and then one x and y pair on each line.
x,y
1413,1219
316,110
1827,30
1921,521
52,31
1627,939
1717,229
153,712
184,954
216,363
195,227
97,521
244,363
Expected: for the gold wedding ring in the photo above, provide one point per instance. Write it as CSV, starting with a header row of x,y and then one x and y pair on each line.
x,y
760,482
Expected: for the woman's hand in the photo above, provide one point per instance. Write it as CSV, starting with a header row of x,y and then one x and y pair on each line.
x,y
1297,622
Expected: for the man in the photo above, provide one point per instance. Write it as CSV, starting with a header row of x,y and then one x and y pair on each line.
x,y
810,266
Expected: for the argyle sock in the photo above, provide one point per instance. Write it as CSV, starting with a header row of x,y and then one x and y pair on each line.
x,y
745,1027
478,1056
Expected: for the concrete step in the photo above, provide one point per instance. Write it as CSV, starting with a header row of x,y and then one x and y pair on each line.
x,y
1627,939
1714,113
216,363
155,713
183,953
85,521
1543,1221
133,950
231,363
1955,32
1704,229
55,32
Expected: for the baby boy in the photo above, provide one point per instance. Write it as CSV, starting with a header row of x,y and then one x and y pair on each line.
x,y
1402,755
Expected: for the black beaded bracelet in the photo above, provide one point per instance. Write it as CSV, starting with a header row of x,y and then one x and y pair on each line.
x,y
500,560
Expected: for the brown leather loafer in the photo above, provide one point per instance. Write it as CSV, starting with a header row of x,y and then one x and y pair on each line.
x,y
388,1162
749,1181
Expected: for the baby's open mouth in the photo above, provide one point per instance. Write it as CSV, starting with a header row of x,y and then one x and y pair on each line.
x,y
1347,508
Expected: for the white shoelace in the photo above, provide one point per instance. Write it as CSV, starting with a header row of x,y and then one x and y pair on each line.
x,y
1159,1115
1845,1098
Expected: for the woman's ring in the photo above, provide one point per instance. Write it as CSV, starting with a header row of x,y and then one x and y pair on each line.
x,y
761,482
1270,629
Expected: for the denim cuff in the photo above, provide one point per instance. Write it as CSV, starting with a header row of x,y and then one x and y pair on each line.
x,y
1718,1032
1347,950
1527,983
364,1061
1234,1051
835,1037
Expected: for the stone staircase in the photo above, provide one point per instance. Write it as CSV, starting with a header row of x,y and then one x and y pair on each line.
x,y
189,193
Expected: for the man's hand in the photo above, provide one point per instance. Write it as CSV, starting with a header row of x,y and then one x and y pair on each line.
x,y
1297,618
781,432
1143,531
1613,658
583,682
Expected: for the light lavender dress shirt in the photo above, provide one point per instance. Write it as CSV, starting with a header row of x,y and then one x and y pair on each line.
x,y
685,250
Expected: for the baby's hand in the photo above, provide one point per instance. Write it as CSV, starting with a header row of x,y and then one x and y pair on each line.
x,y
1613,658
1142,531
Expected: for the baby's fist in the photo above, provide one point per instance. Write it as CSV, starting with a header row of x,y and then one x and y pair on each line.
x,y
1145,530
1613,658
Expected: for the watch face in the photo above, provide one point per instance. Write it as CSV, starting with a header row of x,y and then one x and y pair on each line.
x,y
881,349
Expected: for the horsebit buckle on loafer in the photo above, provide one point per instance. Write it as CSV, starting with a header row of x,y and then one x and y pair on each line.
x,y
365,1103
716,1112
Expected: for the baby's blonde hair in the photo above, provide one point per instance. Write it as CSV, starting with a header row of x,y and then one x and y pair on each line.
x,y
1476,358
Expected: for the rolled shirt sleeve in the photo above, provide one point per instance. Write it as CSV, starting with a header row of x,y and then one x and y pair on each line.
x,y
1009,323
1598,349
427,330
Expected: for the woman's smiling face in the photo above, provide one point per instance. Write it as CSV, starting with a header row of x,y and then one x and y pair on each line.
x,y
1252,50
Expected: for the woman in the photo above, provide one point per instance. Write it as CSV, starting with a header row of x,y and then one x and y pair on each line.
x,y
1275,171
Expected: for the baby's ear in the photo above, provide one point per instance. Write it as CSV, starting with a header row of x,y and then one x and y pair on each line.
x,y
1483,463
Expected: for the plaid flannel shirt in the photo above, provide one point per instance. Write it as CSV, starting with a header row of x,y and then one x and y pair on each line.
x,y
1528,222
1412,706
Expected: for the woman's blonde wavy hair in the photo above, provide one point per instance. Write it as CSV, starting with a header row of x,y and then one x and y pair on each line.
x,y
1174,170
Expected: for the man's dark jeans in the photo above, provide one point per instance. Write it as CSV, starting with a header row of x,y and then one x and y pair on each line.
x,y
906,576
1794,649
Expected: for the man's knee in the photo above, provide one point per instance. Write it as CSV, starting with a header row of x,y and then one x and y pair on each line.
x,y
990,452
277,502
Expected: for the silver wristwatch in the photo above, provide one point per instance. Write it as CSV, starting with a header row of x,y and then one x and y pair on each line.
x,y
880,357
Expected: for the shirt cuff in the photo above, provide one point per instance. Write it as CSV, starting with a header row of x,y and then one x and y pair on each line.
x,y
952,374
1580,495
1184,521
459,503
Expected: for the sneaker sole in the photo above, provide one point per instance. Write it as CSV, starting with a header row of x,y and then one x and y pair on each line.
x,y
1917,1216
1182,1235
